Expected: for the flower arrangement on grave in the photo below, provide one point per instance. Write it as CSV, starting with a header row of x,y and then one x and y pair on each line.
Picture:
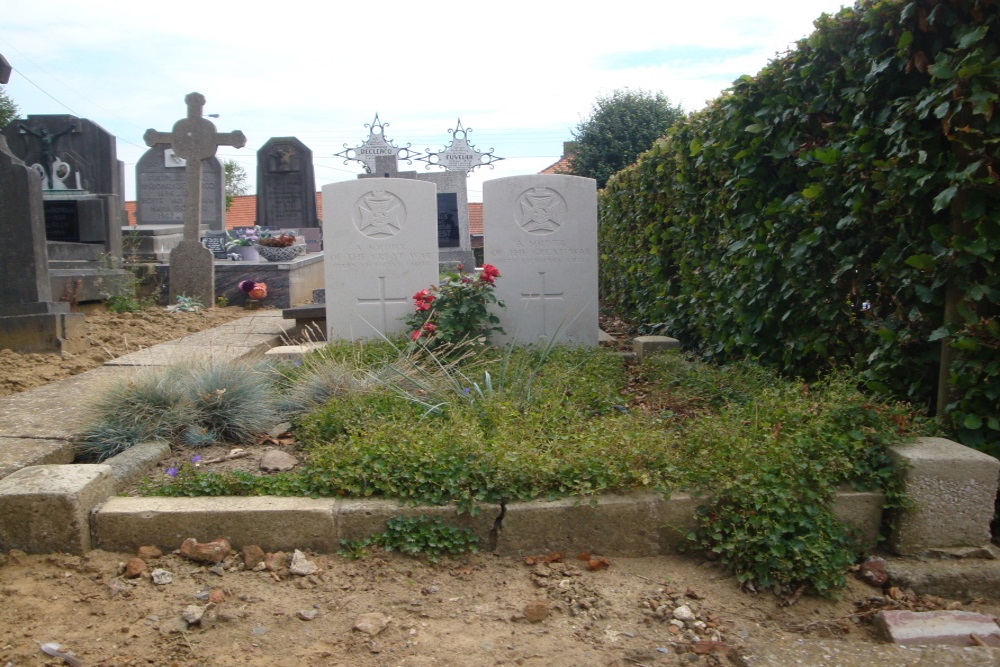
x,y
255,291
280,241
243,238
457,310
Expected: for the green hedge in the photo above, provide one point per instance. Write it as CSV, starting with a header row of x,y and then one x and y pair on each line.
x,y
816,214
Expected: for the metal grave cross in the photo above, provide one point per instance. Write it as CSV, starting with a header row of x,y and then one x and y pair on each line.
x,y
194,138
382,301
542,295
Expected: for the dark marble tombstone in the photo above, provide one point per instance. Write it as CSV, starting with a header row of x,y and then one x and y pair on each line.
x,y
29,320
286,184
447,210
76,160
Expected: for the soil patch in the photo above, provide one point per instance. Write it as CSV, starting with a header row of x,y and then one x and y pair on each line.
x,y
481,610
111,335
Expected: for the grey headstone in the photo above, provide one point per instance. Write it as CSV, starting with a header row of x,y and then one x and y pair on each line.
x,y
194,139
286,184
24,271
380,249
160,189
541,233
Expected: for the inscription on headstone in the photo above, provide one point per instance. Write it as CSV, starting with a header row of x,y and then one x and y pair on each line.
x,y
160,188
447,210
62,221
385,252
286,184
216,243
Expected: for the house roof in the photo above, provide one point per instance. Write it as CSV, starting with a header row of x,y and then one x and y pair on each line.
x,y
476,218
562,166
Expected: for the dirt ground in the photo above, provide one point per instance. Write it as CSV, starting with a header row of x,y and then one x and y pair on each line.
x,y
479,610
111,335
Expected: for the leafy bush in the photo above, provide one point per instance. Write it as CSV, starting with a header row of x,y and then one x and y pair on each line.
x,y
416,536
456,310
817,214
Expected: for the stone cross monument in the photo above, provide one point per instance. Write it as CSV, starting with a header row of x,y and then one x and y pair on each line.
x,y
192,266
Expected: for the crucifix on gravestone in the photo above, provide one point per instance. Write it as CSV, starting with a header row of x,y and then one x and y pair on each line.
x,y
192,266
48,140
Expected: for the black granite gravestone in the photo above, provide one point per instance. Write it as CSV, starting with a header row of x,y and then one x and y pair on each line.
x,y
447,211
286,184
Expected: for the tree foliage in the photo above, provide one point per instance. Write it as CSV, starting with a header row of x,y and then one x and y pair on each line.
x,y
236,181
620,127
8,110
820,211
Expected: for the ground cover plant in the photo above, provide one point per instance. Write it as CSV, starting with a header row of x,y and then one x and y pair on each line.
x,y
396,420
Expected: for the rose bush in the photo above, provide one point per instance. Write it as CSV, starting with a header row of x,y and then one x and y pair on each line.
x,y
456,310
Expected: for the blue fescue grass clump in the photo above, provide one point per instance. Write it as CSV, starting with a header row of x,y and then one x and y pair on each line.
x,y
191,405
235,402
148,406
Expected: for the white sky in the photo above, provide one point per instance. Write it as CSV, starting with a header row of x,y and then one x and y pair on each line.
x,y
520,74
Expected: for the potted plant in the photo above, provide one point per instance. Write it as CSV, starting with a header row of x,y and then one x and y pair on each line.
x,y
280,248
241,242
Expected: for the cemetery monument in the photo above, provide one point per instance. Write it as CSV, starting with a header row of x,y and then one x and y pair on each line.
x,y
286,184
30,321
386,250
194,138
542,235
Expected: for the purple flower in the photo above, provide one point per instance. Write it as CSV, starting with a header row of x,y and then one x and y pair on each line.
x,y
196,458
172,471
247,286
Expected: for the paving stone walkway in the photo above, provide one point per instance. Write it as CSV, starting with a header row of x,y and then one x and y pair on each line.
x,y
37,426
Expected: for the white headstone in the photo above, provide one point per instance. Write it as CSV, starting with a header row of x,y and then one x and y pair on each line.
x,y
541,233
380,249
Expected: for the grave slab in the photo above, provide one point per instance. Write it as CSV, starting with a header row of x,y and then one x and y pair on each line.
x,y
381,248
625,525
951,489
357,519
136,462
55,411
269,522
541,234
646,346
46,508
953,628
17,453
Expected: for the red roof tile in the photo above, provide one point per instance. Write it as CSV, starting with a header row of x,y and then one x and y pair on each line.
x,y
563,166
475,218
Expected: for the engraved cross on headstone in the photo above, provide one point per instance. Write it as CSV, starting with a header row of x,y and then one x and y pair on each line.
x,y
542,295
382,301
192,266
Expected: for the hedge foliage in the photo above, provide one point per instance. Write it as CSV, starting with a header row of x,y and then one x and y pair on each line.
x,y
816,213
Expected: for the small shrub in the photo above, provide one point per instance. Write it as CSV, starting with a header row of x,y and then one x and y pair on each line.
x,y
416,536
457,310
